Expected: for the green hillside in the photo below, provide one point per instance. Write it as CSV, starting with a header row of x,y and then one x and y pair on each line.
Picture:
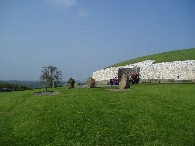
x,y
178,55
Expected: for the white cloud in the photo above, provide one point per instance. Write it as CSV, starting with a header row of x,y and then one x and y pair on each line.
x,y
82,13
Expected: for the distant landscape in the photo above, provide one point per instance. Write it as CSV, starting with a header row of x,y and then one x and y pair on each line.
x,y
35,84
177,55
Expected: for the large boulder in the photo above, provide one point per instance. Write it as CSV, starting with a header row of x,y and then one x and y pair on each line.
x,y
124,83
71,83
90,83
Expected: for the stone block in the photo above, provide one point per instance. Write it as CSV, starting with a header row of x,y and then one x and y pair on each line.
x,y
124,83
90,83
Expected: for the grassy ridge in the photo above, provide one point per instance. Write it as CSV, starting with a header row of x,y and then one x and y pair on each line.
x,y
178,55
148,114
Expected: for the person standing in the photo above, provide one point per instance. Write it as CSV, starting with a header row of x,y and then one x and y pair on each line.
x,y
137,78
133,78
177,80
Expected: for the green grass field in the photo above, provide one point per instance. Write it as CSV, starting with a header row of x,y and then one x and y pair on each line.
x,y
147,114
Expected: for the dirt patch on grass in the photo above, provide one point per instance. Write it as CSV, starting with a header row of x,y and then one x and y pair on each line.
x,y
46,93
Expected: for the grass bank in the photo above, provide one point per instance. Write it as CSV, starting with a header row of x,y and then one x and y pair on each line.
x,y
147,114
177,55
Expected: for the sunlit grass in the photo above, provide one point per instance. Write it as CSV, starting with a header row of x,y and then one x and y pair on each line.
x,y
147,114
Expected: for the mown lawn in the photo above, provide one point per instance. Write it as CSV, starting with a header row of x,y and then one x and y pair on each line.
x,y
147,114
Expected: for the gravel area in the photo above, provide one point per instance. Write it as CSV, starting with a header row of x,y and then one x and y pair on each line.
x,y
46,93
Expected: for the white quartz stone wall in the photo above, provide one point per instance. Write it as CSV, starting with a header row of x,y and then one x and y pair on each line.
x,y
148,70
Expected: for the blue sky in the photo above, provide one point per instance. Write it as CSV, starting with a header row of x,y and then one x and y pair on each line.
x,y
83,36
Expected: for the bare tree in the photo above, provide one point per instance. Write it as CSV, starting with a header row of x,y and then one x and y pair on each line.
x,y
50,76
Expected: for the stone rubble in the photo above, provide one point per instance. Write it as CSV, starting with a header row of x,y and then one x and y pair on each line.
x,y
149,70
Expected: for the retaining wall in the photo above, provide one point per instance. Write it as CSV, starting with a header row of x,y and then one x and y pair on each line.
x,y
165,72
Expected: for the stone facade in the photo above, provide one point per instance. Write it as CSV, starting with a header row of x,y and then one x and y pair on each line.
x,y
127,71
150,72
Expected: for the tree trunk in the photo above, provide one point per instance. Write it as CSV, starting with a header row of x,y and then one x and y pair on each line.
x,y
53,85
50,84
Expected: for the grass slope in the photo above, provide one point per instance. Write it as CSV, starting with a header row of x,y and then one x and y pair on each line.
x,y
147,114
178,55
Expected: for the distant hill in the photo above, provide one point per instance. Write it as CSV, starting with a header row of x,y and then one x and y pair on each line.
x,y
34,84
178,55
30,84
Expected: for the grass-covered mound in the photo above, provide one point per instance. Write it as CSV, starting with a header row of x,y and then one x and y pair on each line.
x,y
147,114
178,55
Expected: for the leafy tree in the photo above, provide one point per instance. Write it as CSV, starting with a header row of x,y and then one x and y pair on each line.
x,y
50,76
